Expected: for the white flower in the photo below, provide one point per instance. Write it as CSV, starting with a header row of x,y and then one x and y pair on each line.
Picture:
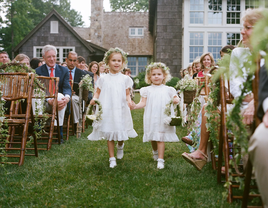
x,y
137,81
91,117
2,119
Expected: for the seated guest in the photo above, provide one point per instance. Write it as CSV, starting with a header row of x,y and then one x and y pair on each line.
x,y
102,67
94,68
76,75
81,62
22,58
196,67
51,69
207,62
4,58
35,62
64,64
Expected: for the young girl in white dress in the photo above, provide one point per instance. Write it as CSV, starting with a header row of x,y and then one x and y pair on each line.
x,y
112,90
155,98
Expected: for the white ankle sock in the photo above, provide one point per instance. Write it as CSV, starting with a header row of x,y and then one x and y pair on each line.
x,y
155,155
160,163
120,151
112,161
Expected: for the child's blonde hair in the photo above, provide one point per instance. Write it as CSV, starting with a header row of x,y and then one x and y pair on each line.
x,y
157,65
111,51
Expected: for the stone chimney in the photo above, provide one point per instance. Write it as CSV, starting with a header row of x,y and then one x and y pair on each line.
x,y
96,22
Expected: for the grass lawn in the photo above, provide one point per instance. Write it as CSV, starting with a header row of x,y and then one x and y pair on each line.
x,y
77,174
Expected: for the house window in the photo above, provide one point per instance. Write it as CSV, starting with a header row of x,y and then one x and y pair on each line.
x,y
196,11
196,45
137,64
62,52
54,27
233,12
214,44
233,38
252,4
214,12
136,31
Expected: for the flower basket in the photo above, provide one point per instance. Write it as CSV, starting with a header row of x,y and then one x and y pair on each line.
x,y
189,96
176,121
90,118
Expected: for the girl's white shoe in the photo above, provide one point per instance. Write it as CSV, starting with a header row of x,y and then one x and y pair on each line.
x,y
112,161
160,163
120,151
155,155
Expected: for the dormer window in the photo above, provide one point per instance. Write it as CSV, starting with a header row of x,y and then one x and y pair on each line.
x,y
136,31
54,27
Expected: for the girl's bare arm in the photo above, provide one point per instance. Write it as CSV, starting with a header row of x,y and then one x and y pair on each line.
x,y
96,96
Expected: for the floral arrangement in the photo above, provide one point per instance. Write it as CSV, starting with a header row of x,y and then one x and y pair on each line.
x,y
115,50
174,120
90,117
86,83
157,65
186,84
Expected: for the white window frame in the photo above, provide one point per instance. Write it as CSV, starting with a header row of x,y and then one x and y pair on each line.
x,y
197,12
60,56
137,64
219,46
196,45
136,34
54,27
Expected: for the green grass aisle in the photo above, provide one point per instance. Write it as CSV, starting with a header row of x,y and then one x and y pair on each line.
x,y
77,174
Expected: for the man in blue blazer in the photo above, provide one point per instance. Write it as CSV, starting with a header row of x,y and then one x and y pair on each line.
x,y
51,69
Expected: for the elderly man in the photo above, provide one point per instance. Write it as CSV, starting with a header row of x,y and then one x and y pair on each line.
x,y
51,69
76,75
4,58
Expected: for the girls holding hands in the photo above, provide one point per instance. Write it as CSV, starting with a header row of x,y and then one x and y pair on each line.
x,y
155,98
112,90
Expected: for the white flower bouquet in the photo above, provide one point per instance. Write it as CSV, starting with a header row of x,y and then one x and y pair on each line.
x,y
187,84
86,83
90,117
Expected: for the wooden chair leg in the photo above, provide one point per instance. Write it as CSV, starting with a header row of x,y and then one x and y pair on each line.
x,y
247,184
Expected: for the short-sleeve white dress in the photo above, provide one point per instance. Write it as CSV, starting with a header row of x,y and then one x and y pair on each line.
x,y
153,119
116,123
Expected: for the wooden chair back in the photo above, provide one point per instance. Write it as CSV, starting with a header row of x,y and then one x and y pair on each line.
x,y
256,122
49,85
15,87
204,80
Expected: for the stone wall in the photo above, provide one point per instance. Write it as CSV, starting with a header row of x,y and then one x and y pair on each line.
x,y
96,21
168,34
116,32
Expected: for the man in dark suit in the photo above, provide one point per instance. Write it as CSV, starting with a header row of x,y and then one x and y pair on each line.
x,y
51,69
258,143
76,75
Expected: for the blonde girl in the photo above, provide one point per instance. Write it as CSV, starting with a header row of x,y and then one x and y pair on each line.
x,y
112,90
207,62
154,98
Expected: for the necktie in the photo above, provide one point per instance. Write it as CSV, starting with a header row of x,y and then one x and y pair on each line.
x,y
71,77
50,82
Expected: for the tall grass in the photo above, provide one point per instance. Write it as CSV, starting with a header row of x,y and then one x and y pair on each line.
x,y
77,174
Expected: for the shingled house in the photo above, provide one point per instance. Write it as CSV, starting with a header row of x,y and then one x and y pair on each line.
x,y
184,30
54,30
126,30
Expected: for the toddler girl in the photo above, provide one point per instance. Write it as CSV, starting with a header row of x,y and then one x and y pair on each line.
x,y
154,98
112,90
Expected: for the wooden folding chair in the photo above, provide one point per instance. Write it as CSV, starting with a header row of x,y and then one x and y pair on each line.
x,y
50,86
256,122
15,88
68,125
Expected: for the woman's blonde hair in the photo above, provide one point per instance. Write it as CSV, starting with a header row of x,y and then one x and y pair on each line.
x,y
253,15
157,65
21,57
211,58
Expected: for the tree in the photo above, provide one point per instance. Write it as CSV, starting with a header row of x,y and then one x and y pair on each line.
x,y
23,15
129,5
